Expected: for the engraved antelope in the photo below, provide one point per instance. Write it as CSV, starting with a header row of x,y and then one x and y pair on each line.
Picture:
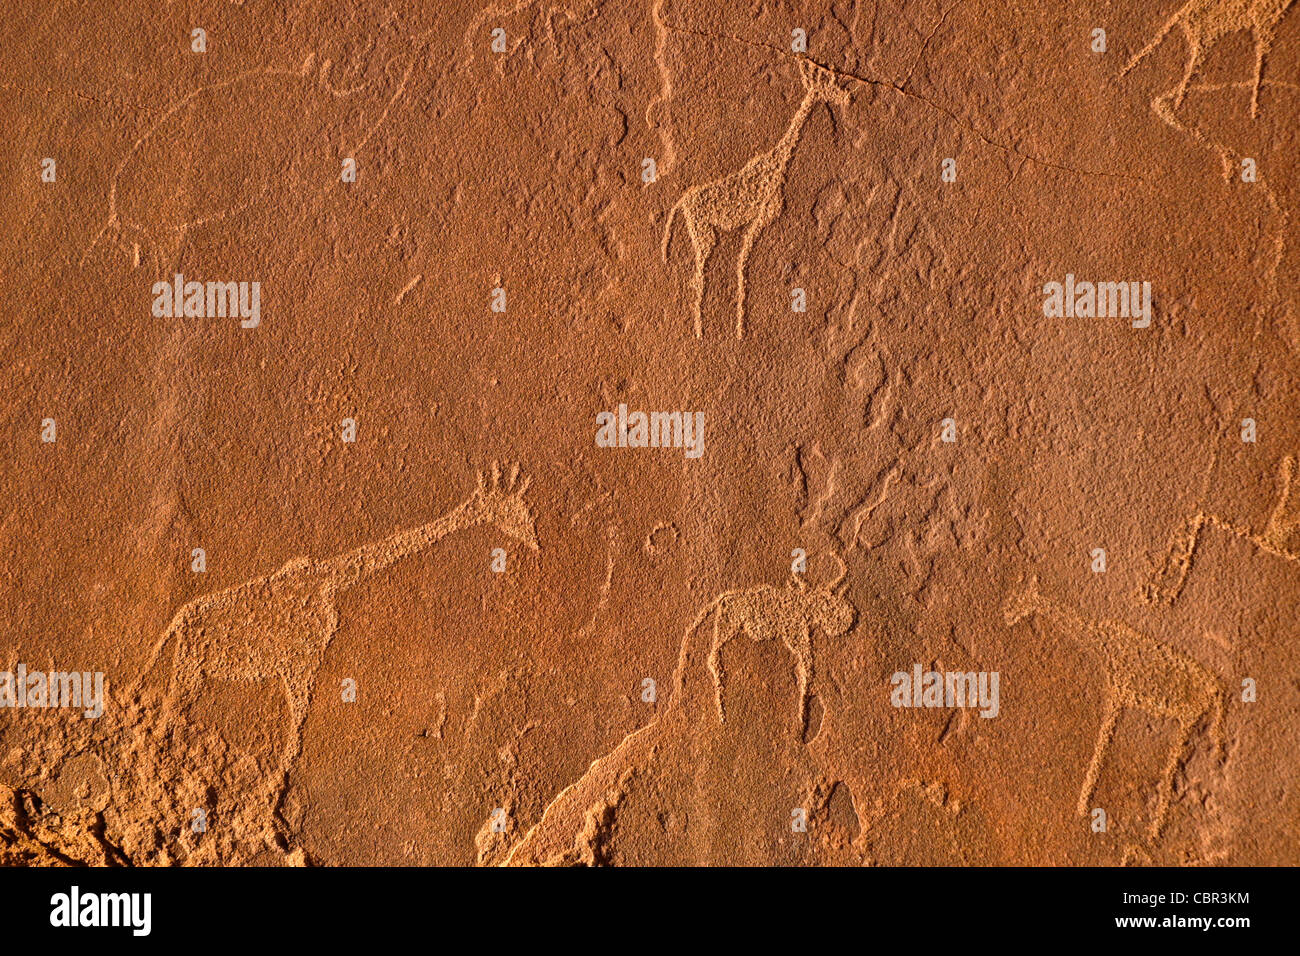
x,y
1205,22
752,197
1278,539
788,614
1141,673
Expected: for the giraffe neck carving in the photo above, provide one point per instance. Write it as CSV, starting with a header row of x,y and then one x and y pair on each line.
x,y
379,555
1075,627
784,148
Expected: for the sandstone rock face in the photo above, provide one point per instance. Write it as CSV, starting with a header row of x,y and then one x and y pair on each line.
x,y
651,433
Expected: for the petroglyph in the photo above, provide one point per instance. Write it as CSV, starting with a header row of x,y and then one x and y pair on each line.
x,y
861,511
1205,22
901,90
787,614
1167,581
492,18
1279,534
97,100
657,114
1163,106
406,289
1279,538
518,161
809,467
753,197
1141,673
478,35
662,537
148,207
575,823
278,627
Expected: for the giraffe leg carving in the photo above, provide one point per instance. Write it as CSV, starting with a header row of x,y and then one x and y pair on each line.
x,y
746,247
715,662
703,239
1104,737
1263,40
800,645
1192,61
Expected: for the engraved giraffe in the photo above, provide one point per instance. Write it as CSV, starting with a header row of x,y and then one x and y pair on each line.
x,y
789,614
752,196
1205,22
280,625
1278,539
1141,673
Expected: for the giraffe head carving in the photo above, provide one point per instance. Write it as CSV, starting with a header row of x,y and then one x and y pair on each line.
x,y
1021,602
822,83
499,500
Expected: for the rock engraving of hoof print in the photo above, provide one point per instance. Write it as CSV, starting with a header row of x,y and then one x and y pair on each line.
x,y
280,625
752,197
1141,673
788,614
1205,22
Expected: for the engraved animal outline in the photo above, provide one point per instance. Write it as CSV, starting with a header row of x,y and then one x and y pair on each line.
x,y
214,635
767,612
1278,206
1141,673
1167,581
753,196
1205,22
500,13
119,225
576,811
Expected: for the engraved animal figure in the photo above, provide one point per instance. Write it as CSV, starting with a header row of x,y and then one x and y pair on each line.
x,y
1141,673
572,825
1205,22
279,626
787,614
1284,522
159,190
1278,539
752,197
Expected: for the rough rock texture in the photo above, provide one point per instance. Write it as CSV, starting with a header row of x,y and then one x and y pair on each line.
x,y
920,468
